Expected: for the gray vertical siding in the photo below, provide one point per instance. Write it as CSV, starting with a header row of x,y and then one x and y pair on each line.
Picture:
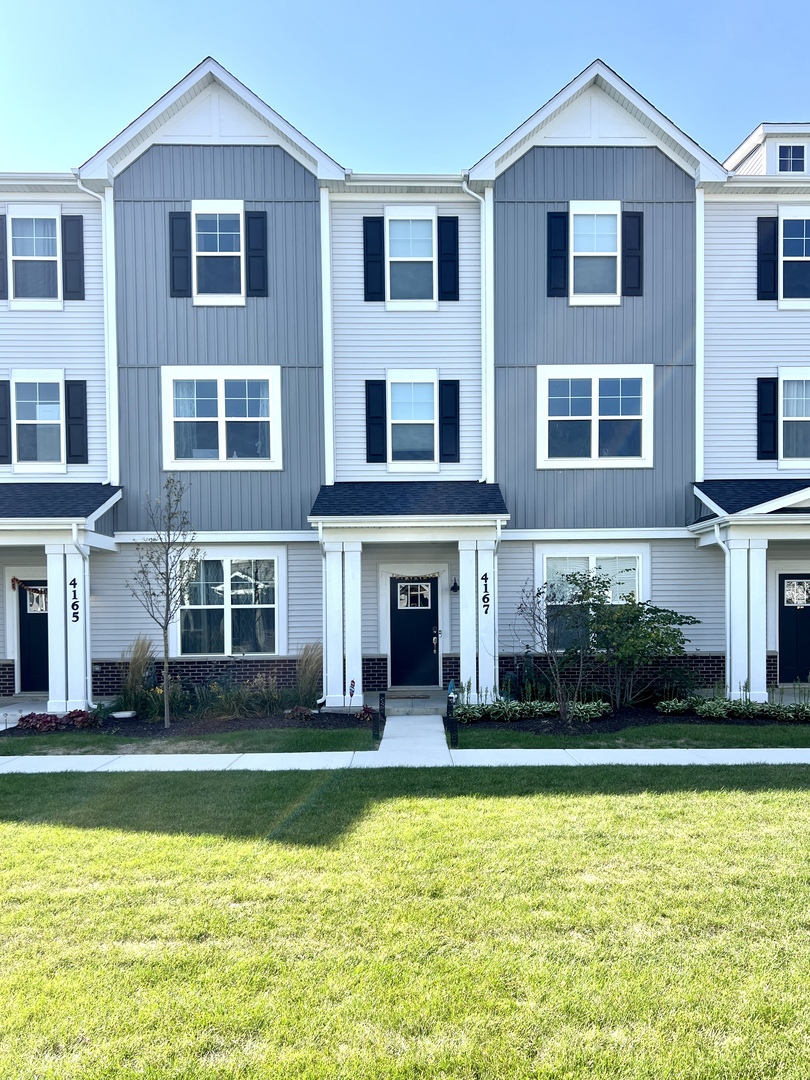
x,y
284,328
656,328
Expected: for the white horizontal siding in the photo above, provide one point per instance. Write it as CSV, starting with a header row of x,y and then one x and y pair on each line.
x,y
72,339
17,561
746,339
515,573
304,596
691,580
368,340
116,617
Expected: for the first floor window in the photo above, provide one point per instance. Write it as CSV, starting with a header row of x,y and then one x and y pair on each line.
x,y
621,570
591,415
222,417
230,607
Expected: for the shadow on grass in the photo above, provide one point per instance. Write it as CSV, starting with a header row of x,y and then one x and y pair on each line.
x,y
318,808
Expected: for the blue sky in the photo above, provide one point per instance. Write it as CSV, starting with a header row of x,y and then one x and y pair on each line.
x,y
417,87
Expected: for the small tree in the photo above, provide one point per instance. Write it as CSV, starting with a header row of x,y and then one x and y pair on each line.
x,y
166,563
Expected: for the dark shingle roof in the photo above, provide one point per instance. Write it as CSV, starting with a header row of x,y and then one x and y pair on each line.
x,y
415,498
53,500
734,496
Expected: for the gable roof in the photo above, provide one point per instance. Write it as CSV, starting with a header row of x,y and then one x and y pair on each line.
x,y
757,138
674,142
725,497
143,131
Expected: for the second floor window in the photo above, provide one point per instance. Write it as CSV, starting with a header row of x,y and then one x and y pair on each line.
x,y
38,421
34,258
796,256
411,265
219,271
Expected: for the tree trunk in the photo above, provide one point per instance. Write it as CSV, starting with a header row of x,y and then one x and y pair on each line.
x,y
167,716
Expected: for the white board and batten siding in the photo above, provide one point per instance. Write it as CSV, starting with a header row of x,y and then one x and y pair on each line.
x,y
746,339
368,340
71,340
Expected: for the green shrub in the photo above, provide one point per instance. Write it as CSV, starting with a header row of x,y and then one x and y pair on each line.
x,y
676,706
506,711
712,708
590,710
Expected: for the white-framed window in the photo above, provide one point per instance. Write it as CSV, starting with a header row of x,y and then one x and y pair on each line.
x,y
626,563
594,271
231,607
37,415
794,257
411,266
622,570
34,245
794,418
221,417
218,263
413,431
595,416
791,157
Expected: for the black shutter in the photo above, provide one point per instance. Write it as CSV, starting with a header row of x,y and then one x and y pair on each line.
x,y
767,419
376,435
448,420
3,259
374,258
73,257
76,421
557,281
5,422
632,253
256,252
767,258
180,254
448,258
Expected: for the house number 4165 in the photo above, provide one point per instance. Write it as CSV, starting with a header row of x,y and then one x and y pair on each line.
x,y
74,600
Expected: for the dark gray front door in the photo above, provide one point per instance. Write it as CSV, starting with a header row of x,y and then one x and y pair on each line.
x,y
794,627
414,626
32,598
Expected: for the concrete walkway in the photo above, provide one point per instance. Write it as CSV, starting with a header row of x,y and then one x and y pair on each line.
x,y
411,741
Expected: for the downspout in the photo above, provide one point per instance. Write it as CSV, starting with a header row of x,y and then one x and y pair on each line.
x,y
485,403
88,646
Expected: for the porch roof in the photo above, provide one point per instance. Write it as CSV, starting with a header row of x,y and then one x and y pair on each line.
x,y
409,498
736,496
54,501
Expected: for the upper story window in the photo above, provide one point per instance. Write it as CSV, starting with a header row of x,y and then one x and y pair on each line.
x,y
221,418
412,420
791,158
35,258
219,265
41,256
595,416
45,429
412,431
411,258
595,253
795,253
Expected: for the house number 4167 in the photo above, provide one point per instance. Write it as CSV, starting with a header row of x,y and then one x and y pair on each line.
x,y
74,600
485,598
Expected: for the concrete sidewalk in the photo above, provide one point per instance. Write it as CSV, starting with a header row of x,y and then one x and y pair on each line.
x,y
409,741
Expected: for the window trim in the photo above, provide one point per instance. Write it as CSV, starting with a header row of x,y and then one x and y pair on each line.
x,y
38,375
412,212
218,206
168,375
645,372
787,374
791,144
594,551
34,210
790,213
579,207
411,375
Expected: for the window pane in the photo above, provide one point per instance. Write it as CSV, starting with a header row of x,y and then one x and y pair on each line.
x,y
596,275
33,237
410,239
202,631
247,439
412,281
622,571
207,588
35,280
412,442
412,401
595,232
619,438
253,630
217,232
619,397
37,401
247,397
796,439
195,397
219,275
253,581
39,442
795,279
557,567
569,438
796,397
196,439
569,397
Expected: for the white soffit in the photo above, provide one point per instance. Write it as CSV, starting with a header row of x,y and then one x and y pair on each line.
x,y
208,107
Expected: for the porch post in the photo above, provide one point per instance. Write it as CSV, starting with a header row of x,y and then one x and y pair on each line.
x,y
57,643
352,554
487,621
76,614
737,673
333,629
467,608
757,637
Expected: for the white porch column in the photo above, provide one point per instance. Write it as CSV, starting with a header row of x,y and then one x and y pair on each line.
x,y
333,629
57,643
352,551
737,673
757,604
487,621
76,614
467,608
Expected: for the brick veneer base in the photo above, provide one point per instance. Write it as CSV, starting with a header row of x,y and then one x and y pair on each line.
x,y
708,669
6,678
109,674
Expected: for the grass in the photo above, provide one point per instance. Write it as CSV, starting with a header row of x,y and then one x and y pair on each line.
x,y
481,924
256,741
653,736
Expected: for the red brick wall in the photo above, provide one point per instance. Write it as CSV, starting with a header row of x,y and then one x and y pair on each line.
x,y
109,674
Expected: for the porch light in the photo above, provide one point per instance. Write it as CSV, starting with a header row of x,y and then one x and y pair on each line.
x,y
454,589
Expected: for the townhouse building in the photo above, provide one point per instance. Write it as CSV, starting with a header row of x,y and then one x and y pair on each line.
x,y
397,402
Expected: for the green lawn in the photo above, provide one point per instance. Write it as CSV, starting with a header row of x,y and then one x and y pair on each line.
x,y
258,741
471,736
479,924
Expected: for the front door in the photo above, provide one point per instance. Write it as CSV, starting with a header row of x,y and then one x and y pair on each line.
x,y
794,628
414,632
33,608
